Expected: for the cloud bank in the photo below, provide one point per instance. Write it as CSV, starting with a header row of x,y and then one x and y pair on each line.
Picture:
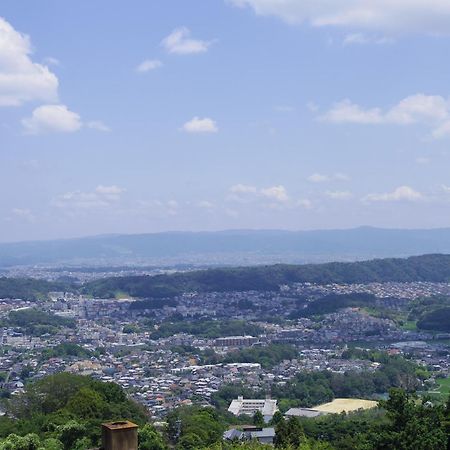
x,y
386,16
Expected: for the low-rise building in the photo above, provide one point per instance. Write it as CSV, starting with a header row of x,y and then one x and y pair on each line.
x,y
267,407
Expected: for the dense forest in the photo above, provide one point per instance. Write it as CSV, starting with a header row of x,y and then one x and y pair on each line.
x,y
27,288
207,328
431,313
35,322
333,302
435,320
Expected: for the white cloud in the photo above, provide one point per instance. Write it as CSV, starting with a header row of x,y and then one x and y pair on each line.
x,y
58,119
339,195
418,108
442,130
52,118
115,190
148,65
51,61
21,79
244,193
180,42
347,112
204,204
98,125
322,178
276,193
80,200
197,125
112,192
391,16
318,178
100,197
363,39
24,214
430,110
340,177
158,208
402,193
243,189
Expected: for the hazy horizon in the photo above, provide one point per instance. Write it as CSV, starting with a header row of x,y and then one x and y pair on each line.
x,y
228,230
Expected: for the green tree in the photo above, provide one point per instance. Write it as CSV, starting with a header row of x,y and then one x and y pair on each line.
x,y
82,444
204,423
14,442
258,419
190,441
413,425
70,432
86,403
289,433
51,444
150,439
277,418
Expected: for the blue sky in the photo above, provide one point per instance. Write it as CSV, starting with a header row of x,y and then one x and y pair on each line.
x,y
145,116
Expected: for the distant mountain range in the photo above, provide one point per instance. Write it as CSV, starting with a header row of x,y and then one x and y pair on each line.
x,y
236,247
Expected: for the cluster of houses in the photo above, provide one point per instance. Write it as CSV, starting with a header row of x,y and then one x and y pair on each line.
x,y
162,377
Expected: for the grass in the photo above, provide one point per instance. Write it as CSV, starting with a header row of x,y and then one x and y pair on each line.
x,y
398,317
409,325
442,391
339,405
444,385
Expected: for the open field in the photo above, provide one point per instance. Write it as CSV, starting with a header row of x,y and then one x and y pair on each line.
x,y
444,385
442,391
409,325
339,405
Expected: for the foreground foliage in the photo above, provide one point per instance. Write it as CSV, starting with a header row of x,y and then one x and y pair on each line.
x,y
65,408
64,412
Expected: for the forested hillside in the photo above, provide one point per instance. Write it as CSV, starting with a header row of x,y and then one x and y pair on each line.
x,y
27,288
435,268
418,268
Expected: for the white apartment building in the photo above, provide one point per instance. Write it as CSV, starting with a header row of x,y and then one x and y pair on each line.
x,y
267,407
